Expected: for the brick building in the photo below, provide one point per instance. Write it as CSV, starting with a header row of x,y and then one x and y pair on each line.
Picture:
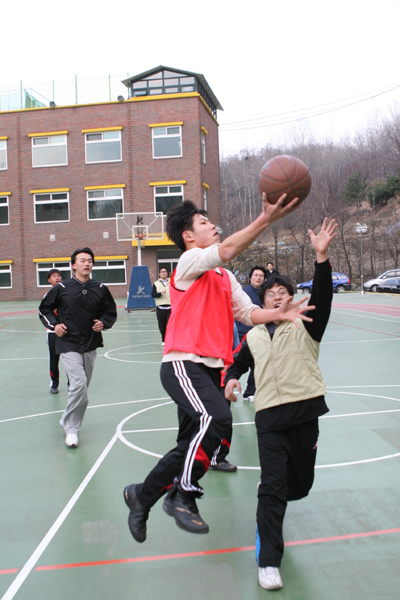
x,y
65,171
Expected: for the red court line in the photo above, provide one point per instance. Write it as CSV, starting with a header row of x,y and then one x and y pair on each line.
x,y
380,309
4,326
363,329
212,552
8,571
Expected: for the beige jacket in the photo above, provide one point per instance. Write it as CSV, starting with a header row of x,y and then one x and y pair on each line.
x,y
286,368
160,287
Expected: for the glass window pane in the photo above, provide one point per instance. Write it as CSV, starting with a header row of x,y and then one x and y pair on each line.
x,y
57,139
164,203
159,131
187,88
155,83
171,90
103,151
104,209
45,266
42,197
139,85
42,277
5,279
114,192
162,190
111,135
168,146
3,200
186,80
40,141
101,263
175,189
174,81
3,159
93,137
62,196
108,276
171,74
156,91
173,130
49,155
96,194
3,215
2,144
52,212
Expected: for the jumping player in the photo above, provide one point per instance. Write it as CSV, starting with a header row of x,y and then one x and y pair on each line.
x,y
288,401
205,298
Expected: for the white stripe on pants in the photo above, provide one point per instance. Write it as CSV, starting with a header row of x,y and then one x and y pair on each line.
x,y
79,368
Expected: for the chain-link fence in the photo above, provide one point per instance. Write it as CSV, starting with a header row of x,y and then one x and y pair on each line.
x,y
62,93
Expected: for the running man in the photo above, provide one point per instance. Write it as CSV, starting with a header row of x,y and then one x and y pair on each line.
x,y
205,298
84,308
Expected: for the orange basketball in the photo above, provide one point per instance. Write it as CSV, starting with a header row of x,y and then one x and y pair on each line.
x,y
285,175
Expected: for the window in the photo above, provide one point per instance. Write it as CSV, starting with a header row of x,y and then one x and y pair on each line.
x,y
49,151
103,204
110,272
203,147
5,276
3,155
4,214
51,207
166,196
205,198
167,142
168,259
43,268
103,146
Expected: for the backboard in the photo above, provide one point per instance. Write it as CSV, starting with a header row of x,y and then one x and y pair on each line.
x,y
140,226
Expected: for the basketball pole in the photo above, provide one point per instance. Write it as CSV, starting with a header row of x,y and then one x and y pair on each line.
x,y
139,252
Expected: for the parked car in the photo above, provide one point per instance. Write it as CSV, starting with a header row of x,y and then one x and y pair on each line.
x,y
372,284
340,283
391,286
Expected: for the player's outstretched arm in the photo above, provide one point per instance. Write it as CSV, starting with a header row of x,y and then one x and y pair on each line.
x,y
236,243
287,311
321,242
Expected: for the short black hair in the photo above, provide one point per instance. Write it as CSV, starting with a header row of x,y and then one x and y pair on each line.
x,y
180,219
269,284
270,263
50,273
257,268
86,250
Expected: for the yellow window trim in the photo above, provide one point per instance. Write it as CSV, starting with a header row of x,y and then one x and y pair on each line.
x,y
170,97
68,258
166,124
3,137
51,190
182,182
119,128
56,259
125,257
31,135
164,242
5,193
6,262
204,130
105,187
206,186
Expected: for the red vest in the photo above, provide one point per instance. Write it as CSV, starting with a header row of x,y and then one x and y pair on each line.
x,y
201,320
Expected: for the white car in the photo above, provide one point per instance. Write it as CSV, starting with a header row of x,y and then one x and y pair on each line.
x,y
372,284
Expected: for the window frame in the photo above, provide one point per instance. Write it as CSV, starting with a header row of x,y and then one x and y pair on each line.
x,y
203,148
88,191
102,132
108,266
45,193
5,149
166,135
7,204
55,265
163,194
51,135
9,265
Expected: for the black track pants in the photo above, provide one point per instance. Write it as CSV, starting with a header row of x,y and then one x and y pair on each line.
x,y
287,460
204,421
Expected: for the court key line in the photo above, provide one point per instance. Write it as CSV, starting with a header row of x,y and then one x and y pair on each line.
x,y
139,559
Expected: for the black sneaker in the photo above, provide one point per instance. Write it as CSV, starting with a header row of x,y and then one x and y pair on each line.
x,y
54,389
137,515
224,466
182,506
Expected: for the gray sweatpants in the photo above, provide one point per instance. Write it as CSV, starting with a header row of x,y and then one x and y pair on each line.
x,y
79,368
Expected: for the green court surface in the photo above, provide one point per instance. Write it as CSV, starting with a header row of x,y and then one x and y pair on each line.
x,y
63,521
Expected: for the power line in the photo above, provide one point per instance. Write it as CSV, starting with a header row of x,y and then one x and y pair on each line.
x,y
300,114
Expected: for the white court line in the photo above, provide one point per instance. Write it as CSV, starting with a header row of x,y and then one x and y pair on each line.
x,y
354,313
54,412
391,339
31,562
335,387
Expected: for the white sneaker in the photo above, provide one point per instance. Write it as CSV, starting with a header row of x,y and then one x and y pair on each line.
x,y
71,440
269,578
248,398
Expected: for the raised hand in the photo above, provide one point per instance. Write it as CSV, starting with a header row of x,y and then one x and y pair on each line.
x,y
291,311
321,242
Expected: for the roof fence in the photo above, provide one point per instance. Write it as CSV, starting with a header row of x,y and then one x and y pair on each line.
x,y
63,93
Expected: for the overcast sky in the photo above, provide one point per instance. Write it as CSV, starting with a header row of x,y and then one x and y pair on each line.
x,y
267,62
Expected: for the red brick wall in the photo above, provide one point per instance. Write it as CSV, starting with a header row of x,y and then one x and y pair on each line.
x,y
23,240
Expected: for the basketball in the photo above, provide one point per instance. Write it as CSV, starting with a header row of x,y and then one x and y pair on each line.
x,y
285,175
